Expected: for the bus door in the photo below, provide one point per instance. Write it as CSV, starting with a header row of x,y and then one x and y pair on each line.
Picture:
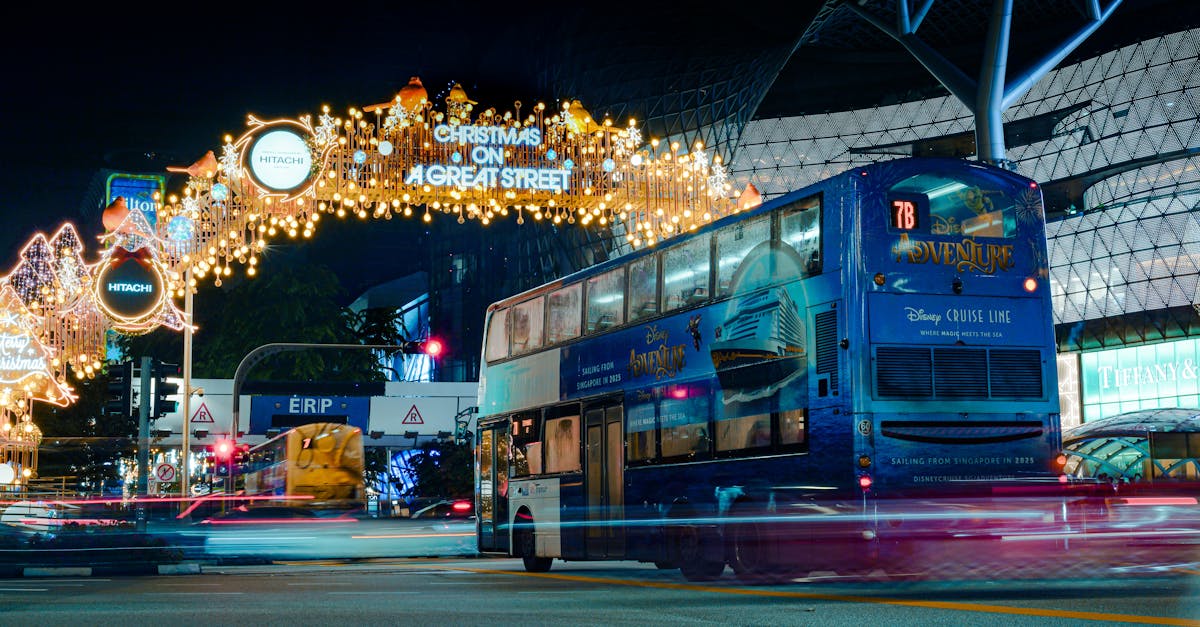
x,y
493,487
604,480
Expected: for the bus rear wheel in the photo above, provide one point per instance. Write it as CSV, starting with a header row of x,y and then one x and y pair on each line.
x,y
694,547
527,549
754,555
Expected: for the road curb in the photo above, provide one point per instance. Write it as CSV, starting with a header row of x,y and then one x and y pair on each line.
x,y
60,571
190,568
179,569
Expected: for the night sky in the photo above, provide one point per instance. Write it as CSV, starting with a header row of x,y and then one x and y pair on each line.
x,y
87,93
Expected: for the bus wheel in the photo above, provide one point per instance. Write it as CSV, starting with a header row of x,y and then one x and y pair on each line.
x,y
528,552
695,561
753,555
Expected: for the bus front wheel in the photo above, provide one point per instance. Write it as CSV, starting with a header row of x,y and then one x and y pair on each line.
x,y
527,549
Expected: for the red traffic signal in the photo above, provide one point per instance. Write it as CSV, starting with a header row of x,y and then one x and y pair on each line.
x,y
432,347
223,449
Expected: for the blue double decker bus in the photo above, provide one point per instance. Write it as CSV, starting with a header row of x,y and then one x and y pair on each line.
x,y
781,389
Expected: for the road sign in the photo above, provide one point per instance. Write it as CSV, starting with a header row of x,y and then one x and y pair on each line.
x,y
202,414
413,417
165,473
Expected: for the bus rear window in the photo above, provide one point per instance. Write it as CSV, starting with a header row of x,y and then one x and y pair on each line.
x,y
939,205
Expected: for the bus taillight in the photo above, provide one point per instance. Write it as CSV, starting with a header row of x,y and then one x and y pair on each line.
x,y
864,482
1030,284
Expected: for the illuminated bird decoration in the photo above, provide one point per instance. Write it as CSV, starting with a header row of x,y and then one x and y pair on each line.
x,y
205,167
413,95
114,214
458,105
459,95
578,120
411,98
750,198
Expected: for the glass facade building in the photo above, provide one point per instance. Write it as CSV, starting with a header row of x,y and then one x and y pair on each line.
x,y
1112,139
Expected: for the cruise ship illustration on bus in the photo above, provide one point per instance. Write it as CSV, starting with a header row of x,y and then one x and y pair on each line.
x,y
761,344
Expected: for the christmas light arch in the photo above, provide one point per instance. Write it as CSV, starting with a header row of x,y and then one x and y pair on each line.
x,y
400,158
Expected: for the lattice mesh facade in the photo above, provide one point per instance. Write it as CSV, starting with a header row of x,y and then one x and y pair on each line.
x,y
1135,246
1140,252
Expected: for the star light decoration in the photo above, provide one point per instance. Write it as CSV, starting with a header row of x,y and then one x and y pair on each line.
x,y
381,160
29,370
53,284
52,326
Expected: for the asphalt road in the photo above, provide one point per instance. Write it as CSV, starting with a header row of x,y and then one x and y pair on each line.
x,y
482,591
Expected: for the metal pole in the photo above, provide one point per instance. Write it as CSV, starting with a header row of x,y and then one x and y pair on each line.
x,y
266,350
989,123
185,468
143,455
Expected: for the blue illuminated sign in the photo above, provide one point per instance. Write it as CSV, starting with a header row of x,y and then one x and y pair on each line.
x,y
139,192
487,156
898,318
263,409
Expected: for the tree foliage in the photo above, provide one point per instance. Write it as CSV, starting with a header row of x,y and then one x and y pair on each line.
x,y
293,302
444,469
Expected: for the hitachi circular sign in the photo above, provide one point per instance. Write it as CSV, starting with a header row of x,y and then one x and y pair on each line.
x,y
129,289
280,159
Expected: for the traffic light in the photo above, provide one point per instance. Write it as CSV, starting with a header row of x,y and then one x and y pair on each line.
x,y
432,347
118,401
223,456
162,389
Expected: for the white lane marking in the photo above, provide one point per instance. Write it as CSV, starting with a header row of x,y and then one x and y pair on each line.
x,y
190,593
379,592
24,589
322,584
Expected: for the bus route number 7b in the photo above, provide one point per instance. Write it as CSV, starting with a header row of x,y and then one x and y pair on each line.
x,y
904,214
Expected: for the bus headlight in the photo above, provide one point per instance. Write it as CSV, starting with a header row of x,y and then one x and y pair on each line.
x,y
1030,284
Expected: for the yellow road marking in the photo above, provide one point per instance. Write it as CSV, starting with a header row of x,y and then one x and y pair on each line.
x,y
941,605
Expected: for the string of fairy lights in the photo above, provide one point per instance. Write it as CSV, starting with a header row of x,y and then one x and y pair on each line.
x,y
403,158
